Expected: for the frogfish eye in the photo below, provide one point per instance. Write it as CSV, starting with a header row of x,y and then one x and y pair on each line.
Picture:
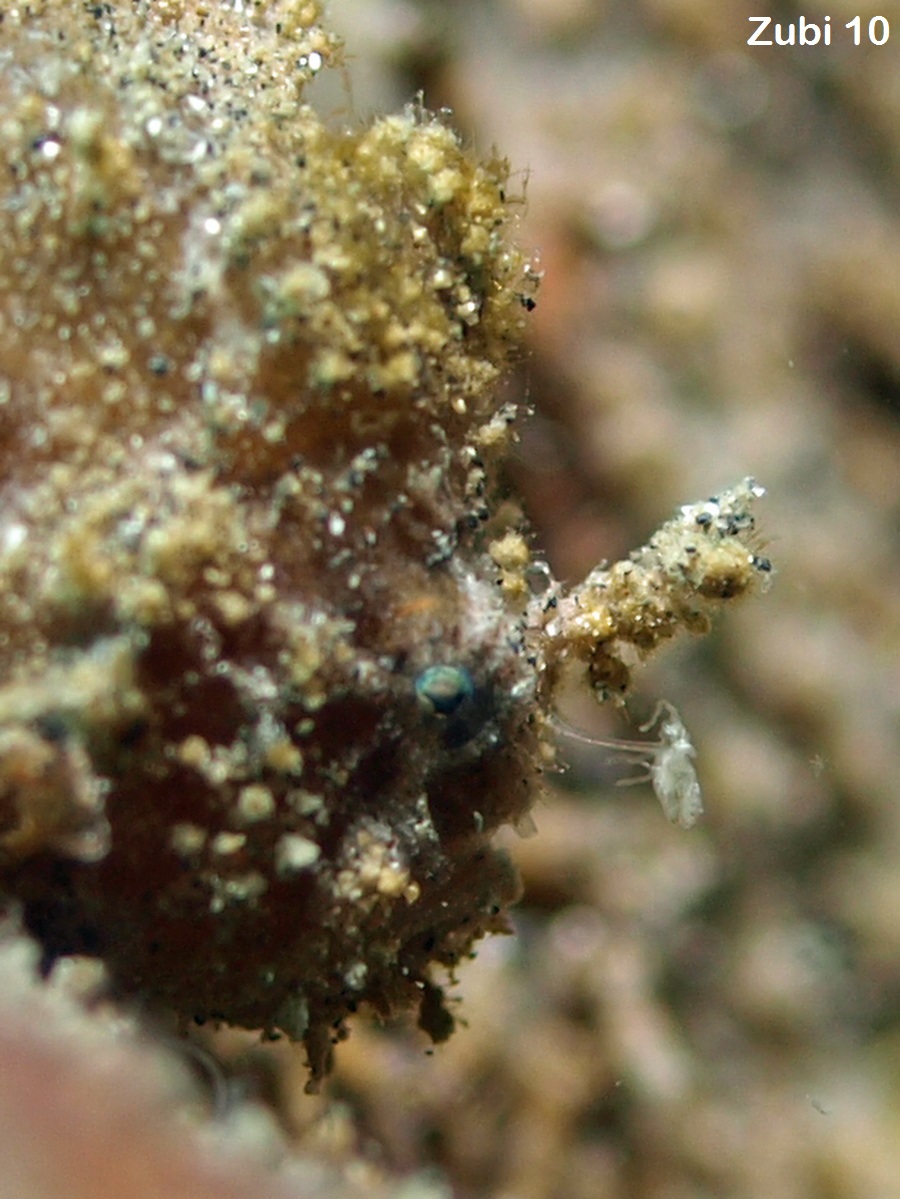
x,y
442,690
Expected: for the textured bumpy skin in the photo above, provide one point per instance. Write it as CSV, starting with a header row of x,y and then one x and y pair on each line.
x,y
246,430
271,670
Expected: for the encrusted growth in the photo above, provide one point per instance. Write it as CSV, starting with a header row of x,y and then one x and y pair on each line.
x,y
704,556
270,672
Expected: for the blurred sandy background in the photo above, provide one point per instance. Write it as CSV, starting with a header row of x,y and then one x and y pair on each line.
x,y
711,1014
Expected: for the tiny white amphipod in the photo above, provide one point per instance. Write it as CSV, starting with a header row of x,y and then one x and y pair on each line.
x,y
668,762
672,771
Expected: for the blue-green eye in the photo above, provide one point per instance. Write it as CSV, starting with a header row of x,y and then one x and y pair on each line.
x,y
443,690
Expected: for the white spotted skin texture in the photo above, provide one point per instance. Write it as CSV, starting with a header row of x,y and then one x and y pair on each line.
x,y
247,438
